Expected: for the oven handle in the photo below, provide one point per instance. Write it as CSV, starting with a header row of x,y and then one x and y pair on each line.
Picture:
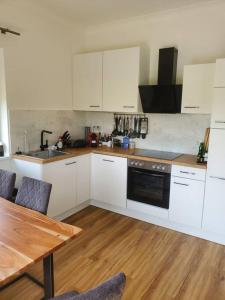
x,y
148,174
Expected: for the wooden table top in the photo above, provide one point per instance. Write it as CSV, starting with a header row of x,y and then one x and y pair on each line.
x,y
27,236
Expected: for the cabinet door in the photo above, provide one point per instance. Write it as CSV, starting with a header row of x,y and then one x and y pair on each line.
x,y
120,80
216,158
214,206
62,175
186,201
218,109
220,73
87,82
83,178
198,88
109,179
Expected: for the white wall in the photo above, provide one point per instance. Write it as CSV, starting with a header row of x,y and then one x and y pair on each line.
x,y
198,33
38,63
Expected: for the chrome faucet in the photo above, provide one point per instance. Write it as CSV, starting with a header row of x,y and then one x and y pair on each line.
x,y
42,146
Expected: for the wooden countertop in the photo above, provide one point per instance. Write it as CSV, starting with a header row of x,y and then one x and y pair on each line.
x,y
184,160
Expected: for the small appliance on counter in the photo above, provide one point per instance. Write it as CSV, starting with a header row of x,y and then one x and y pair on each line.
x,y
80,143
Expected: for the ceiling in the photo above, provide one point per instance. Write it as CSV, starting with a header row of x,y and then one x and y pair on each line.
x,y
93,12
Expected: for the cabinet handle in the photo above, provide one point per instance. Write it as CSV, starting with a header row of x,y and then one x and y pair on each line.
x,y
70,163
185,172
178,183
215,177
108,160
128,106
94,105
194,107
219,122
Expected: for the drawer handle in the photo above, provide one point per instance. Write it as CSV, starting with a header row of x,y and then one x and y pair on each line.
x,y
94,106
189,173
128,106
194,107
108,160
178,183
215,177
219,122
70,163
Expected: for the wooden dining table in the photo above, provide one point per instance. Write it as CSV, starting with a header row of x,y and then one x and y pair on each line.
x,y
26,237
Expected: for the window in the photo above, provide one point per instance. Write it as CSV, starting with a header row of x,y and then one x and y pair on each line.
x,y
4,123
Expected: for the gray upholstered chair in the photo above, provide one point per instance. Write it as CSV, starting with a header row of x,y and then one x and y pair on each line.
x,y
7,183
112,289
34,194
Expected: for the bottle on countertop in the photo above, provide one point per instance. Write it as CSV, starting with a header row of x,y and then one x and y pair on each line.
x,y
201,153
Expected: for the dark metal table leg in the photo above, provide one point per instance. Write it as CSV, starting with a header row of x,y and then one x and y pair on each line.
x,y
48,277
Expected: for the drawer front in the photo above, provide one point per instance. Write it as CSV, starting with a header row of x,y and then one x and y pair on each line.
x,y
188,172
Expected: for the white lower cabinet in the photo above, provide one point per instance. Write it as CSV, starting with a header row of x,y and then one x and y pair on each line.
x,y
109,179
62,175
214,208
186,200
70,179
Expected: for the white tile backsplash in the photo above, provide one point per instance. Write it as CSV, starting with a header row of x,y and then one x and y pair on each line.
x,y
175,132
35,121
167,132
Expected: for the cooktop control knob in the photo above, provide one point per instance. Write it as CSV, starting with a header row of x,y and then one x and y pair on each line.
x,y
136,163
141,164
132,163
154,167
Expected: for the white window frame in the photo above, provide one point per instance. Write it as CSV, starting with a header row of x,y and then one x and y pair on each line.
x,y
4,114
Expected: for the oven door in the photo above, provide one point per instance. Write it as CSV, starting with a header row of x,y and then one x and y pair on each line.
x,y
150,187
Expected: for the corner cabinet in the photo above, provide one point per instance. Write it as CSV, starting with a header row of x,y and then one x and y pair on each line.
x,y
108,81
198,81
109,180
87,82
70,179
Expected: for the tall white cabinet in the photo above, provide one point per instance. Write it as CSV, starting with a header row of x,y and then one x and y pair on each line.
x,y
197,95
108,81
214,206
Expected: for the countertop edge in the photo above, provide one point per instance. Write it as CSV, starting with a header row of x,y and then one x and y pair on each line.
x,y
187,160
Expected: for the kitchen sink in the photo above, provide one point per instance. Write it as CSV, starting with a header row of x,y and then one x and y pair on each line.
x,y
46,154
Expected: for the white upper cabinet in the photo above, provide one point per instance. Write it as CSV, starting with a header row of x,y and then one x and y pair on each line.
x,y
198,83
121,79
108,81
218,109
87,82
220,73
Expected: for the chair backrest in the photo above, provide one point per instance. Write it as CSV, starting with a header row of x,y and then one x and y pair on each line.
x,y
7,184
34,194
112,289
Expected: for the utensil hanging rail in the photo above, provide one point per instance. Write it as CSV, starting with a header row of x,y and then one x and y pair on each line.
x,y
7,30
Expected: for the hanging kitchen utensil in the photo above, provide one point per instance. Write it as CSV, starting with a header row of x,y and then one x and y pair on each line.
x,y
143,127
126,130
115,131
131,127
139,128
120,126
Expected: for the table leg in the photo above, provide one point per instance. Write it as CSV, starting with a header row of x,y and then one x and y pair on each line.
x,y
48,276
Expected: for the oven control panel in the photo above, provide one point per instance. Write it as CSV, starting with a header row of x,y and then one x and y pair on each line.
x,y
149,165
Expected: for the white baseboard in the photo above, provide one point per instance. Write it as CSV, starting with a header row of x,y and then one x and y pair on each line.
x,y
72,211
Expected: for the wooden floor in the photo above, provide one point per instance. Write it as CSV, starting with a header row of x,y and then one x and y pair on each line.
x,y
159,263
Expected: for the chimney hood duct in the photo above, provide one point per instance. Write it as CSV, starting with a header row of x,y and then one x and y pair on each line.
x,y
166,96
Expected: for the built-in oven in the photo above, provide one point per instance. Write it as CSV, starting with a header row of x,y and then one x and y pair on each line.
x,y
149,182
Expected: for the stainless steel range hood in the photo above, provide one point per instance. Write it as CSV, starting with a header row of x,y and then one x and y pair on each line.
x,y
166,96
